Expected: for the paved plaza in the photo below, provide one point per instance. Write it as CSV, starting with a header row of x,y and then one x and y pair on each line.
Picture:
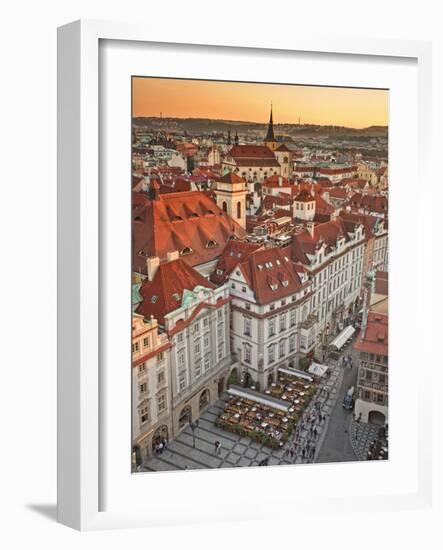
x,y
236,451
362,435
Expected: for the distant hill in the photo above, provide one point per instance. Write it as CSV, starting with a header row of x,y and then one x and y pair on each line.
x,y
207,126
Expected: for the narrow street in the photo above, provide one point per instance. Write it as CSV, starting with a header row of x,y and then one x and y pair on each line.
x,y
336,445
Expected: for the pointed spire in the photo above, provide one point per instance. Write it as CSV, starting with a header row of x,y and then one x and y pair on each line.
x,y
270,134
229,137
236,138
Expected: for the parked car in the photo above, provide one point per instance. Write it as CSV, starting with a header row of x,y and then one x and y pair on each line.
x,y
348,401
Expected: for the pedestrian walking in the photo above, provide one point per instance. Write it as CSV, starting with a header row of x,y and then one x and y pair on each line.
x,y
217,445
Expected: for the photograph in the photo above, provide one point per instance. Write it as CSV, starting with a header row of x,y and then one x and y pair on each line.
x,y
259,277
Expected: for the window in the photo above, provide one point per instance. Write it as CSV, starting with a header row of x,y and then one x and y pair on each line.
x,y
146,342
206,322
247,353
282,348
160,356
135,347
247,326
198,368
161,402
207,362
220,351
271,353
197,348
144,414
282,322
196,328
180,338
291,343
238,210
243,289
160,377
181,359
271,327
182,381
220,331
206,342
143,387
142,367
292,317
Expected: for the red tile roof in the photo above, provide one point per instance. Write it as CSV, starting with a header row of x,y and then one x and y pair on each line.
x,y
234,253
178,221
275,181
304,196
253,155
328,232
375,338
230,177
251,151
164,293
374,203
271,274
283,149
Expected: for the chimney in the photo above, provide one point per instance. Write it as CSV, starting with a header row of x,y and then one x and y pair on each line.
x,y
171,256
310,228
152,264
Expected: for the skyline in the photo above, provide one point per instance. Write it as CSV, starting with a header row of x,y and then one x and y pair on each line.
x,y
251,102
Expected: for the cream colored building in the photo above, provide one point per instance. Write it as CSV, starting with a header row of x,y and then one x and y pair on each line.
x,y
151,388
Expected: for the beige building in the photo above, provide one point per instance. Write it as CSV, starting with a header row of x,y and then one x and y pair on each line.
x,y
151,388
194,316
230,191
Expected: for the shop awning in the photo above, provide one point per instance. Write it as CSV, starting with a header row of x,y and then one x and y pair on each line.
x,y
295,372
269,401
340,340
317,369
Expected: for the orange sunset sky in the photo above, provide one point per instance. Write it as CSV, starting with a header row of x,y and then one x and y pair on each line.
x,y
351,107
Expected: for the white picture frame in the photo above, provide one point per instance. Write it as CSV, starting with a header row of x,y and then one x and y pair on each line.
x,y
80,409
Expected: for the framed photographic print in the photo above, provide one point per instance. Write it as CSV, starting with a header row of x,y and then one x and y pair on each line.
x,y
233,276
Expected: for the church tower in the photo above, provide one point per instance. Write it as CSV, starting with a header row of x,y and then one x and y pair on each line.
x,y
230,192
270,140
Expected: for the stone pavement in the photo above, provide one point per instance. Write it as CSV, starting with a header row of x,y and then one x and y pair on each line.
x,y
237,451
362,435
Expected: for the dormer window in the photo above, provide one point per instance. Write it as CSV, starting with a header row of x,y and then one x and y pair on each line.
x,y
211,244
186,250
153,299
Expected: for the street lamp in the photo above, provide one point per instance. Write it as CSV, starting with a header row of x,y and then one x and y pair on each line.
x,y
193,425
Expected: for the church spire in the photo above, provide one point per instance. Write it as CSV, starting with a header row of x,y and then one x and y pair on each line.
x,y
270,135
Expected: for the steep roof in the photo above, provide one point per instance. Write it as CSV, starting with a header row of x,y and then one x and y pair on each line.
x,y
188,221
271,274
304,243
376,203
230,177
234,253
165,292
283,149
250,152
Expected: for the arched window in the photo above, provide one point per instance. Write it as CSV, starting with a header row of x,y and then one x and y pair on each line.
x,y
224,206
238,210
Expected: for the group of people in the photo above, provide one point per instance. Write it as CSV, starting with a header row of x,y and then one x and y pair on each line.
x,y
160,446
306,447
347,361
